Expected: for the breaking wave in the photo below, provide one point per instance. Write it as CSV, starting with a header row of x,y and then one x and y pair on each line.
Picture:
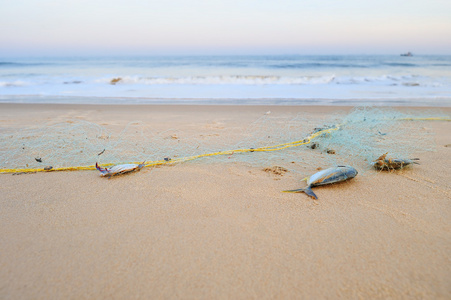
x,y
213,80
16,83
388,80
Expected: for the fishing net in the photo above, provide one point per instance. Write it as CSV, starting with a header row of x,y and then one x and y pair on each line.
x,y
367,133
354,138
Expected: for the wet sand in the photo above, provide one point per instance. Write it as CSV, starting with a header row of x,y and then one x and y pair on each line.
x,y
221,231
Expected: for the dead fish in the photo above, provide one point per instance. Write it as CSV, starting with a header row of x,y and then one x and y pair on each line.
x,y
327,176
119,169
384,163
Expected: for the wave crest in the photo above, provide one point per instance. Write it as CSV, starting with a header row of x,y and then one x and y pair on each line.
x,y
226,79
12,83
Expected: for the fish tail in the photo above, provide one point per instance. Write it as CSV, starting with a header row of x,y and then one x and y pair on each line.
x,y
307,190
294,191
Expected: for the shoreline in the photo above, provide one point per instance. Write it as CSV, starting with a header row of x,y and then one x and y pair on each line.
x,y
9,105
280,101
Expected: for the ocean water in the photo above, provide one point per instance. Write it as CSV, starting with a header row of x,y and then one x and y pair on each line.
x,y
315,80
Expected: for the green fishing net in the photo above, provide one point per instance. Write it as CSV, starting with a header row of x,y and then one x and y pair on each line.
x,y
359,137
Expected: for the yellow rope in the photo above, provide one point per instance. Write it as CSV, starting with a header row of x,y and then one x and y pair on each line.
x,y
278,147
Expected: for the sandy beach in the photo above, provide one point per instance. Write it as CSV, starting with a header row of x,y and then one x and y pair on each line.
x,y
221,230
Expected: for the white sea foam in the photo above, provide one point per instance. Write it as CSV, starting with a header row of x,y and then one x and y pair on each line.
x,y
222,79
13,83
388,80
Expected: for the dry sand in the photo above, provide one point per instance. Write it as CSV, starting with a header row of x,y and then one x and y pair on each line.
x,y
224,231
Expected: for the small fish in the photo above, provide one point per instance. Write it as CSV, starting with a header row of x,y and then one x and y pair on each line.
x,y
327,176
118,169
384,163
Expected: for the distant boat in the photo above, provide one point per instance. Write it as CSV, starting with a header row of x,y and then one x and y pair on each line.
x,y
407,54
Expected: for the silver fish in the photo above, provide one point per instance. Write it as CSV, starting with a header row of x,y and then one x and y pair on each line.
x,y
327,176
119,169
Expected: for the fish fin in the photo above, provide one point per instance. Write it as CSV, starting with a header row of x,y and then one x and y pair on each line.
x,y
382,157
294,191
309,192
103,171
100,168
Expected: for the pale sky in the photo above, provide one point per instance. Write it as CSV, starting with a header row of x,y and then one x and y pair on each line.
x,y
128,27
